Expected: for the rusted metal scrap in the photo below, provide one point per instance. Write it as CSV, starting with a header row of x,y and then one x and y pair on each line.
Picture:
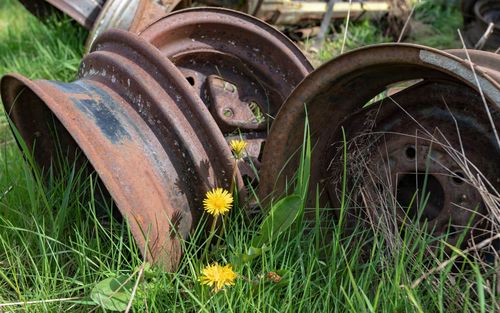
x,y
84,12
481,24
421,133
139,120
135,15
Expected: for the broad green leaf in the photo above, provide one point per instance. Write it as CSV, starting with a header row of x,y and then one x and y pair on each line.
x,y
113,293
280,218
251,254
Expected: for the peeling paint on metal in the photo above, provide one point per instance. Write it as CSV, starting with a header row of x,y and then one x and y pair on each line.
x,y
463,71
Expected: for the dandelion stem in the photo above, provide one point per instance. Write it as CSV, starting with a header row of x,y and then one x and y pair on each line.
x,y
210,235
231,190
233,177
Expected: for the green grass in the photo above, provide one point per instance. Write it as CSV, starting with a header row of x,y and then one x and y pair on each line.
x,y
54,246
434,23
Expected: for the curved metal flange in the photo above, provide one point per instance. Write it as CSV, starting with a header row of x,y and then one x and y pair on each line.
x,y
84,12
117,14
335,96
242,68
135,118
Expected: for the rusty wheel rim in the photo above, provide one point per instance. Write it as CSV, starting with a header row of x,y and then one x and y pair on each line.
x,y
335,94
135,118
114,14
131,15
237,64
83,12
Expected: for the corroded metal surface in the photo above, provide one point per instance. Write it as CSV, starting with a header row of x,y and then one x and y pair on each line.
x,y
147,135
242,68
131,15
394,143
115,14
84,12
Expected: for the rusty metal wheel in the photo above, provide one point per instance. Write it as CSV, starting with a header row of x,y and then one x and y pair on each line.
x,y
242,68
84,12
486,18
433,135
136,119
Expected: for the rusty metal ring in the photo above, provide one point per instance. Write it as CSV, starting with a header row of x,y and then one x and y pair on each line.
x,y
336,93
135,118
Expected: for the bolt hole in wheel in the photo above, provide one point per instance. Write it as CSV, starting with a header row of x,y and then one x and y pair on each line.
x,y
190,80
228,112
458,178
410,152
420,189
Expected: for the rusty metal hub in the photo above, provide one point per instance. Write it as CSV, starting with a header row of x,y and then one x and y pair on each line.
x,y
408,154
242,68
403,151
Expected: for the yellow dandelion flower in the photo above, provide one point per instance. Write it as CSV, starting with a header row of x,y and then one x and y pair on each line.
x,y
238,146
218,201
217,276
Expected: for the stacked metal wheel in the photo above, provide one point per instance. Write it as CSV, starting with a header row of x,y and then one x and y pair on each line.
x,y
152,122
152,113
